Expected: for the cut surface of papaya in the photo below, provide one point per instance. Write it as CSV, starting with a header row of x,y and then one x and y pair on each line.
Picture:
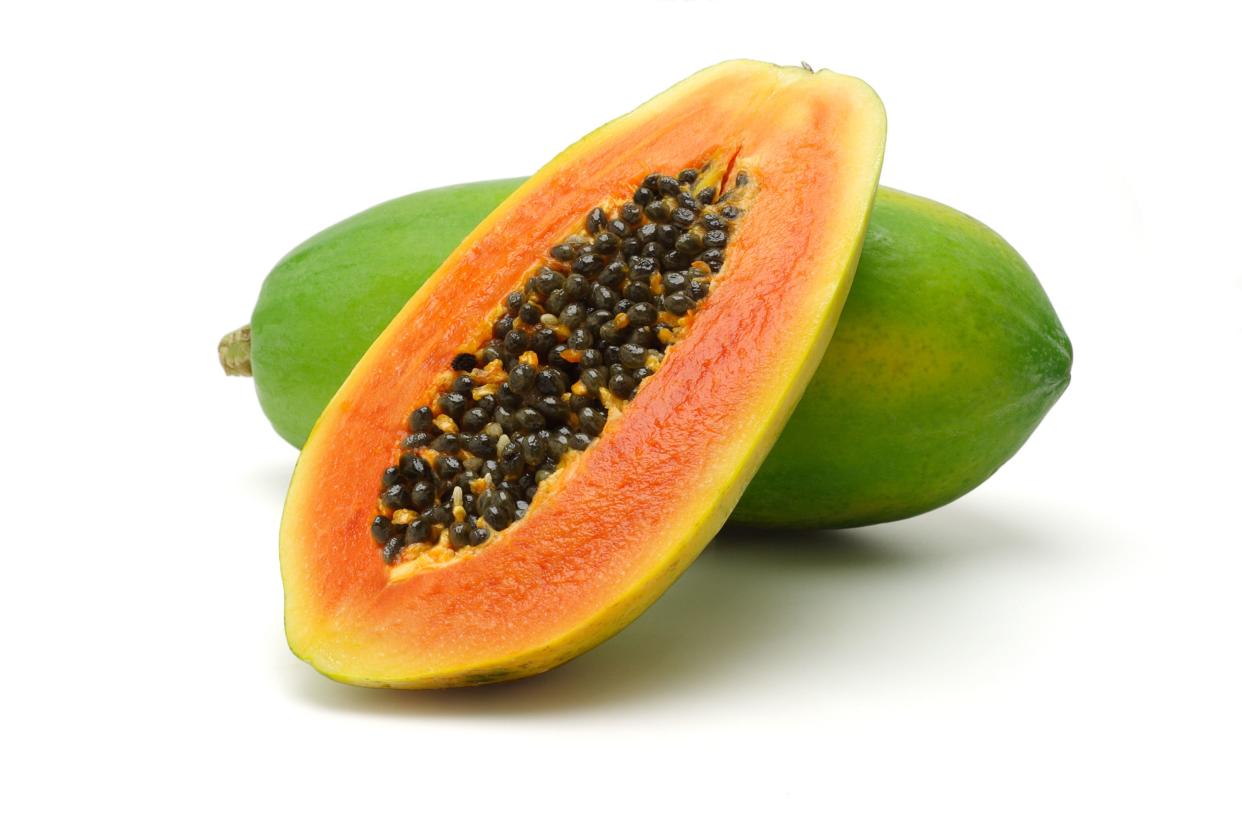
x,y
559,420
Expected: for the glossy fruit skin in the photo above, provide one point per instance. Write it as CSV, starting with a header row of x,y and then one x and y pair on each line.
x,y
947,356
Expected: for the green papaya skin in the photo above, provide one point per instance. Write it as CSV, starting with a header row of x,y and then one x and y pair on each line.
x,y
947,356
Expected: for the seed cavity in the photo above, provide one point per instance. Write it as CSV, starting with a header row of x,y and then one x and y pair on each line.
x,y
570,346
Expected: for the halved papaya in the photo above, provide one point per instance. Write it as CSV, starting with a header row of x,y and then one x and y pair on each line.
x,y
563,416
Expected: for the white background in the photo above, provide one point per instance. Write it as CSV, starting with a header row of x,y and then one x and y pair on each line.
x,y
1061,647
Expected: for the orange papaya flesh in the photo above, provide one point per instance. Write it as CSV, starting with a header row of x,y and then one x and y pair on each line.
x,y
618,522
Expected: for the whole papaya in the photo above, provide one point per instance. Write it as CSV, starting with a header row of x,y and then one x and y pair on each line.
x,y
947,355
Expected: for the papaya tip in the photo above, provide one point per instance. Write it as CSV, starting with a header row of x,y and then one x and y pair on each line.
x,y
234,350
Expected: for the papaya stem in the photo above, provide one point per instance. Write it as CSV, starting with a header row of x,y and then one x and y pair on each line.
x,y
234,351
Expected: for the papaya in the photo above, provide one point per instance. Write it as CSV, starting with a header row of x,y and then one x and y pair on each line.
x,y
947,356
555,424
